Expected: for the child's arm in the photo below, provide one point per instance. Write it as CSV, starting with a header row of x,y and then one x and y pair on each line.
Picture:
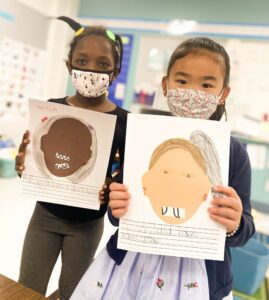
x,y
235,205
19,167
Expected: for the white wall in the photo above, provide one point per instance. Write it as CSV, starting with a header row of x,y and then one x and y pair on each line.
x,y
59,37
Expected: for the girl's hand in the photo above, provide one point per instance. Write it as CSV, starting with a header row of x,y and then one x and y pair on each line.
x,y
227,209
118,199
19,167
104,194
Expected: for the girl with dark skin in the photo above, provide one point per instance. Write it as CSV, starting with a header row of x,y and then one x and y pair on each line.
x,y
94,61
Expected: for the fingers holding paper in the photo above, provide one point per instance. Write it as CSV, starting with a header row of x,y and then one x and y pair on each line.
x,y
20,158
227,208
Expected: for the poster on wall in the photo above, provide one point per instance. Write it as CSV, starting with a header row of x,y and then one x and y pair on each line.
x,y
178,161
66,161
117,91
22,73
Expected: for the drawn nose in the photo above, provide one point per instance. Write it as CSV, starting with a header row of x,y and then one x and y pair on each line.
x,y
144,190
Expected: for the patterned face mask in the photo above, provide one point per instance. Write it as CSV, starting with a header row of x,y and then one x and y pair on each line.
x,y
191,103
90,84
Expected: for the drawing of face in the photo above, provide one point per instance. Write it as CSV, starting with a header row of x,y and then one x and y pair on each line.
x,y
176,183
66,146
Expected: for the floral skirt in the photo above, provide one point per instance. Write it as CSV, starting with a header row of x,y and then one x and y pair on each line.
x,y
143,277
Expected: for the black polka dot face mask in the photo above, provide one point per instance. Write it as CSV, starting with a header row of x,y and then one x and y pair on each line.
x,y
90,84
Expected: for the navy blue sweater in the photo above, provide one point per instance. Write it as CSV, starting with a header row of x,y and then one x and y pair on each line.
x,y
219,272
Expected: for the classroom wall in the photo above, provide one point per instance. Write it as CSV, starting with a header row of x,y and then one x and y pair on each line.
x,y
48,7
243,11
57,43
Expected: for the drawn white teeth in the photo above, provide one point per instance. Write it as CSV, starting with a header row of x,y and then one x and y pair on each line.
x,y
62,157
176,212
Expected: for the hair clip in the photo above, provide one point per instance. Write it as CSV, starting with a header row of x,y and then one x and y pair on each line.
x,y
111,35
79,31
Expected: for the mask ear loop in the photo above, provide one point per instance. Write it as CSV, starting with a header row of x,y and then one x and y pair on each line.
x,y
221,102
167,88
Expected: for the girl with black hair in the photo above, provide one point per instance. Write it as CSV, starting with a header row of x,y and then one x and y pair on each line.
x,y
94,61
196,86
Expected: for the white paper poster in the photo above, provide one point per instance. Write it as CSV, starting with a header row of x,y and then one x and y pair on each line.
x,y
170,166
68,154
22,72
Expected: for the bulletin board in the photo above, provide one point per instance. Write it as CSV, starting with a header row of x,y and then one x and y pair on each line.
x,y
23,39
22,71
117,91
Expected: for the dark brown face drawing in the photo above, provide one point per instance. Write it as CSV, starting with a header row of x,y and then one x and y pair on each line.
x,y
66,146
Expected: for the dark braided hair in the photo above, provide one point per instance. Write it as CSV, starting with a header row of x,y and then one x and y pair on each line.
x,y
80,32
196,45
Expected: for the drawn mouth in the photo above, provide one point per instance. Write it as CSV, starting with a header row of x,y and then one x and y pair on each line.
x,y
176,212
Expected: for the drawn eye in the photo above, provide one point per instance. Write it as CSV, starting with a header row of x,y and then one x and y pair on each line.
x,y
166,171
187,175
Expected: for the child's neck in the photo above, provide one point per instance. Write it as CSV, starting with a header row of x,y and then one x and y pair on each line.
x,y
101,104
